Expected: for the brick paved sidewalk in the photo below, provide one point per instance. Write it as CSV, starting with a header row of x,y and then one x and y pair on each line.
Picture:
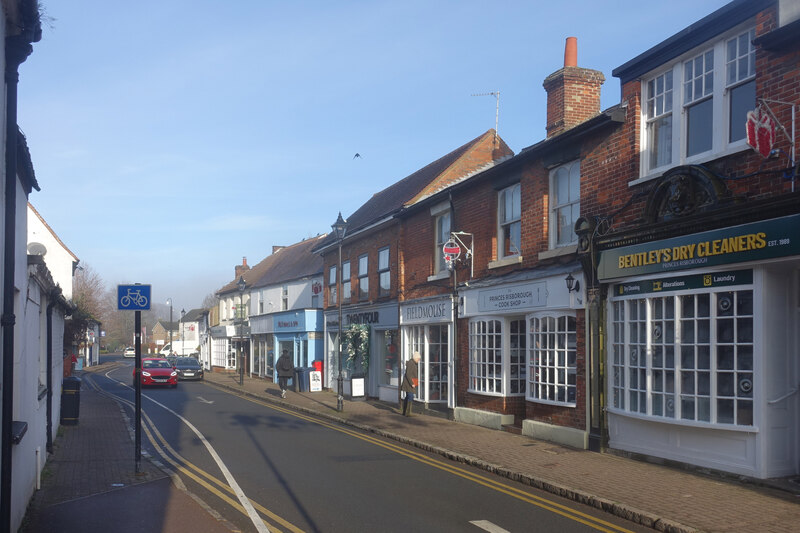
x,y
666,498
90,483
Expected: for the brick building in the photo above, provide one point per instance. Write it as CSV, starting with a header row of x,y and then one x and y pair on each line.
x,y
372,263
690,245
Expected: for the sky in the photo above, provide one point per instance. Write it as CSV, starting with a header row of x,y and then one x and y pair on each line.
x,y
172,138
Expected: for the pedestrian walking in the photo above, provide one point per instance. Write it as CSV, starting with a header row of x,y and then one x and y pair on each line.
x,y
285,368
410,383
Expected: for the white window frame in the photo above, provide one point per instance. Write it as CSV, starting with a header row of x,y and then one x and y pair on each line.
x,y
441,236
559,203
506,220
484,353
554,371
693,364
363,277
720,97
347,288
384,271
332,286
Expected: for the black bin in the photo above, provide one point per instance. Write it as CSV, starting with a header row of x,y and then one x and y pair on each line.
x,y
70,400
301,379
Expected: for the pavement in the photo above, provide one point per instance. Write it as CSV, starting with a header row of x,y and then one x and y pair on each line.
x,y
92,468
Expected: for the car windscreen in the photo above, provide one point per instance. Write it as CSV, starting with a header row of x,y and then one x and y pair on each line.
x,y
156,364
187,362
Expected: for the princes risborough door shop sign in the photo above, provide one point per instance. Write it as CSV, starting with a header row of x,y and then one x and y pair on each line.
x,y
768,239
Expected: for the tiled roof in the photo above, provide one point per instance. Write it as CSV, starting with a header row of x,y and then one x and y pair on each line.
x,y
292,262
389,201
193,315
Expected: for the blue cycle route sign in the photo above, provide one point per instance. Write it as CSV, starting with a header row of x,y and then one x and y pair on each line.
x,y
133,297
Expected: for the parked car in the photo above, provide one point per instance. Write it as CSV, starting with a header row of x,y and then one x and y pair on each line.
x,y
188,368
157,371
172,359
129,352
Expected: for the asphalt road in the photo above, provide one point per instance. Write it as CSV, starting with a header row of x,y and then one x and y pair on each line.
x,y
306,474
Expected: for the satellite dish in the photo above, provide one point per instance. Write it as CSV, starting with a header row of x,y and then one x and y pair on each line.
x,y
36,248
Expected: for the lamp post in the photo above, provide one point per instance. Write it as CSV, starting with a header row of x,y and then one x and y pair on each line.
x,y
339,228
169,301
183,350
241,285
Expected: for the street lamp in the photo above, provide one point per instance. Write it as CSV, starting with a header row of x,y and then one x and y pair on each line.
x,y
339,229
183,314
241,285
169,302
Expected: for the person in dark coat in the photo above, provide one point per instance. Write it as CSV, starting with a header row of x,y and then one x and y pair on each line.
x,y
410,383
285,368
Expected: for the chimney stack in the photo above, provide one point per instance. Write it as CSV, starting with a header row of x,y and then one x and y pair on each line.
x,y
241,269
573,93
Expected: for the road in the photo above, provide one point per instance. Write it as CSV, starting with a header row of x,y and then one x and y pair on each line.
x,y
251,461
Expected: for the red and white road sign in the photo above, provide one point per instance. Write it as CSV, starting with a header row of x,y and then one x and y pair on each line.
x,y
452,249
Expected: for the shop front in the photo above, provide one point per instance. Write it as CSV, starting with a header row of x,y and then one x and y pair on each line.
x,y
379,323
229,345
426,326
703,349
263,364
523,362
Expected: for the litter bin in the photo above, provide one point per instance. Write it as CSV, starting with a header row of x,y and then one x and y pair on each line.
x,y
301,379
70,400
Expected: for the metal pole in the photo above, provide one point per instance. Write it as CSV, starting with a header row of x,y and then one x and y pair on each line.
x,y
137,340
171,347
241,335
339,400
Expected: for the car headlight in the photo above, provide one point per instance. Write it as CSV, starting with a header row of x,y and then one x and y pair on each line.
x,y
173,373
145,373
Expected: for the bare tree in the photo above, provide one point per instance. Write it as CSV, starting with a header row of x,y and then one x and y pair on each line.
x,y
89,297
210,301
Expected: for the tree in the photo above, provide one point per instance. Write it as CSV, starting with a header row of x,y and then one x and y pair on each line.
x,y
91,305
210,301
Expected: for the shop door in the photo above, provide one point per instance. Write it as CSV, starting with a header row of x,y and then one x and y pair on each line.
x,y
437,371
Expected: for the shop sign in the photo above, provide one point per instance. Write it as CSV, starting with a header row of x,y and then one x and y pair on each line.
x,y
697,281
768,239
513,298
291,322
427,313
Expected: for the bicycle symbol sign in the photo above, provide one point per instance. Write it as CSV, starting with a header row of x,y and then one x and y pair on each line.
x,y
133,297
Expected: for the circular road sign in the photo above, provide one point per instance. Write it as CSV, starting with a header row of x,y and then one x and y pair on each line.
x,y
452,249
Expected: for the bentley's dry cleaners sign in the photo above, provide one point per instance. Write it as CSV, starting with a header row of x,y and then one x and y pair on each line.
x,y
698,281
779,237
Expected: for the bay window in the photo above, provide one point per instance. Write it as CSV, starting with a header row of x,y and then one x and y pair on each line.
x,y
552,359
497,348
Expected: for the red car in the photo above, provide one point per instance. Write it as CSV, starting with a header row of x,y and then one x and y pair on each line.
x,y
157,371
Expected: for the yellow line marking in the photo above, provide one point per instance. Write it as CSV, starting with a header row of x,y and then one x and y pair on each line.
x,y
560,509
156,435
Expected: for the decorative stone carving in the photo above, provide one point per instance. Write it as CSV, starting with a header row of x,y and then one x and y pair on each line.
x,y
684,191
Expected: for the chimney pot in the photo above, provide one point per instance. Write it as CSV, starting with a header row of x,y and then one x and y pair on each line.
x,y
571,52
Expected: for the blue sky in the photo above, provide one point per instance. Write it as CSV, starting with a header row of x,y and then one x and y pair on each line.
x,y
171,138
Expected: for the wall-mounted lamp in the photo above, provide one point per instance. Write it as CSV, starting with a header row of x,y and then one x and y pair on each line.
x,y
572,283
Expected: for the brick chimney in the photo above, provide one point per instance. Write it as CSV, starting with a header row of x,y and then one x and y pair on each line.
x,y
573,93
240,269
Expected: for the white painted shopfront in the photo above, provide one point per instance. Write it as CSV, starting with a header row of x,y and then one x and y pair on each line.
x,y
427,327
703,348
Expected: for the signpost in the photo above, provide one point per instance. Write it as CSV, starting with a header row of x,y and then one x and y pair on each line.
x,y
136,298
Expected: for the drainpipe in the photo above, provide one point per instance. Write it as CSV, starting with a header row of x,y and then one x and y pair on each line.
x,y
17,48
49,379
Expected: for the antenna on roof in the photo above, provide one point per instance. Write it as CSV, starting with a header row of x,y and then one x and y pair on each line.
x,y
496,94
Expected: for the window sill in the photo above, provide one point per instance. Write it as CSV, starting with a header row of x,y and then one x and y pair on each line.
x,y
548,402
558,252
506,261
444,274
686,423
734,148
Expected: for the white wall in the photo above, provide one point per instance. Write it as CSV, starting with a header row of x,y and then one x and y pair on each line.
x,y
59,259
299,292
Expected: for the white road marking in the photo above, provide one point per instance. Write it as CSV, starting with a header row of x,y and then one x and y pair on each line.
x,y
261,527
204,400
488,526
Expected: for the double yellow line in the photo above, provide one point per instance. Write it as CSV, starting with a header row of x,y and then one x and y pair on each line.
x,y
220,489
543,503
